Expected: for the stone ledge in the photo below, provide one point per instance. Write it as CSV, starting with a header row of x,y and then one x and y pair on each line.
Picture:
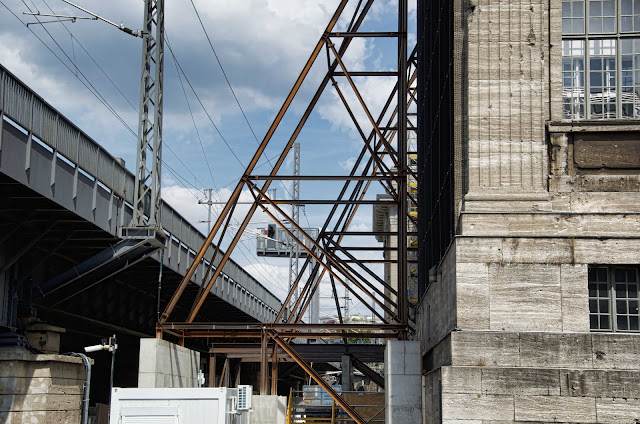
x,y
17,354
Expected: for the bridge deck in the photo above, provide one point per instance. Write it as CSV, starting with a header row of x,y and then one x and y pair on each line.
x,y
63,198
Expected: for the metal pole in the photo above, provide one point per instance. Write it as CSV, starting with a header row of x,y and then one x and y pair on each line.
x,y
294,248
112,347
403,304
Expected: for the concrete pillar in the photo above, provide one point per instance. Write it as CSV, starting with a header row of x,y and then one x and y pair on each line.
x,y
164,364
347,374
268,409
403,382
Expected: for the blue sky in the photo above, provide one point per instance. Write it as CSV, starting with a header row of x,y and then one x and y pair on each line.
x,y
262,45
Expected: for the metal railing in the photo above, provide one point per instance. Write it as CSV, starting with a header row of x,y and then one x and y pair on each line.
x,y
324,410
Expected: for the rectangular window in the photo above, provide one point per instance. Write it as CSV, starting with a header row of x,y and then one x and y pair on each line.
x,y
613,298
600,59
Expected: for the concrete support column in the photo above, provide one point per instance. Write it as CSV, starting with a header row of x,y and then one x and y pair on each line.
x,y
164,364
403,382
347,374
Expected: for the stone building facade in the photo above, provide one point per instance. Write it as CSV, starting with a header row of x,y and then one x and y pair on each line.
x,y
529,238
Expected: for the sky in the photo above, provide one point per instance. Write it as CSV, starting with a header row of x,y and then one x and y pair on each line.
x,y
208,139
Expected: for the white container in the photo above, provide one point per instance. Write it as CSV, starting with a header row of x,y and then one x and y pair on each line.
x,y
217,405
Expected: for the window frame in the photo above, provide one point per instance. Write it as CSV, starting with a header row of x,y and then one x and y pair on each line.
x,y
586,37
612,298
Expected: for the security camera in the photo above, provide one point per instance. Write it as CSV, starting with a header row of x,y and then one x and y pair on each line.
x,y
95,348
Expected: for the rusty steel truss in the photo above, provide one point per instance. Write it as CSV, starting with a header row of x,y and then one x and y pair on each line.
x,y
383,160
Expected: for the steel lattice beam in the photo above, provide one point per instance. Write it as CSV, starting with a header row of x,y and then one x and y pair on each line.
x,y
383,161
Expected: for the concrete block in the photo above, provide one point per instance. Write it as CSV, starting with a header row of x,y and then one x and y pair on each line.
x,y
485,349
522,381
616,351
555,409
525,297
148,349
575,298
174,366
607,251
268,409
40,402
601,383
40,417
478,250
537,251
475,406
618,410
147,379
473,296
555,350
402,391
461,379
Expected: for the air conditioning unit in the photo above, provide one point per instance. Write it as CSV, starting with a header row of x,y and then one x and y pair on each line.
x,y
244,397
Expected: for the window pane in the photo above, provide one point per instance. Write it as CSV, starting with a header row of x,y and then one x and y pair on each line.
x,y
609,8
621,291
593,322
621,307
603,291
633,307
622,323
573,16
633,324
609,25
626,9
595,8
573,97
604,306
602,274
604,323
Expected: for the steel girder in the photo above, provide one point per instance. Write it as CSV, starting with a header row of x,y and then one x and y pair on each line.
x,y
382,160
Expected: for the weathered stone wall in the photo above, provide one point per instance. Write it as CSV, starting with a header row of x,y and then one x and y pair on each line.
x,y
508,94
504,330
164,364
40,389
536,377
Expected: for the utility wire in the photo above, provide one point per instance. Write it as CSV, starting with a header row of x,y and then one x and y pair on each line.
x,y
200,101
236,98
204,154
90,57
101,98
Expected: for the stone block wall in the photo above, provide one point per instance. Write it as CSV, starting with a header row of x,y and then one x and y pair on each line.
x,y
164,364
504,330
498,378
40,389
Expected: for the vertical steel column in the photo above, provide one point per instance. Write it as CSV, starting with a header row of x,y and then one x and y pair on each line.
x,y
212,370
403,305
274,370
148,170
264,364
294,248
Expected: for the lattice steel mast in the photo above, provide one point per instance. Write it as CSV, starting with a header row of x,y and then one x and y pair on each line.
x,y
147,191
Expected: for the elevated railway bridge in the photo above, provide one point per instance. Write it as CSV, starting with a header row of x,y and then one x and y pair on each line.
x,y
62,199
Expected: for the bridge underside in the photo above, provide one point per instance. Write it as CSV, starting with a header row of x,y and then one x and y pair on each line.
x,y
42,240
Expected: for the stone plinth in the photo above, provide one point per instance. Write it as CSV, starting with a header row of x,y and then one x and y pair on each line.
x,y
40,389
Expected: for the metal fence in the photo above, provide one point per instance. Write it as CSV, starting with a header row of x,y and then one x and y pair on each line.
x,y
320,408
